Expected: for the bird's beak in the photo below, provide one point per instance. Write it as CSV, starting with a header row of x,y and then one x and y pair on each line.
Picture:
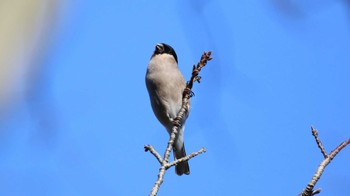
x,y
159,47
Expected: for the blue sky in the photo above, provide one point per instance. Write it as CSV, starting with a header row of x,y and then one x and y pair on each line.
x,y
278,67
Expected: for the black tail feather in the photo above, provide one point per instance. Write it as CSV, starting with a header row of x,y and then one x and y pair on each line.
x,y
183,167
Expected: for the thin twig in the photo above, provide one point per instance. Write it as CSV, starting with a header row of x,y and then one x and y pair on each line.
x,y
308,191
318,142
154,152
186,158
187,94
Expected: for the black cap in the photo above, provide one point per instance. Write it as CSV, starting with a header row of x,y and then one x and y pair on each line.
x,y
162,48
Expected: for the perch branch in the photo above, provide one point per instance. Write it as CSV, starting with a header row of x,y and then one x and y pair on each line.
x,y
187,94
308,191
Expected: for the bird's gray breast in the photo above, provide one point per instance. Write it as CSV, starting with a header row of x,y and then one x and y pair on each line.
x,y
165,85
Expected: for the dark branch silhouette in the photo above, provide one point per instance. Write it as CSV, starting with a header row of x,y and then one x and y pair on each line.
x,y
187,94
308,191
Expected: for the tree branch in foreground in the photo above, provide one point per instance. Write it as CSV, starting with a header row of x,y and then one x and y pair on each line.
x,y
308,191
187,94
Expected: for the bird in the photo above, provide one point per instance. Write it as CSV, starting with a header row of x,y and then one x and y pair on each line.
x,y
165,85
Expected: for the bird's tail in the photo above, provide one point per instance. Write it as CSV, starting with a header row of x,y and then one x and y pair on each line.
x,y
182,167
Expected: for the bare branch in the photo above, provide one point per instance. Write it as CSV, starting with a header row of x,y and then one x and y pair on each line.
x,y
308,191
166,166
154,152
159,181
339,148
186,158
195,71
187,94
319,143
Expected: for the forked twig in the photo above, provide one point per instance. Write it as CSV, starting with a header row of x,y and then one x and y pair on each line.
x,y
308,191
